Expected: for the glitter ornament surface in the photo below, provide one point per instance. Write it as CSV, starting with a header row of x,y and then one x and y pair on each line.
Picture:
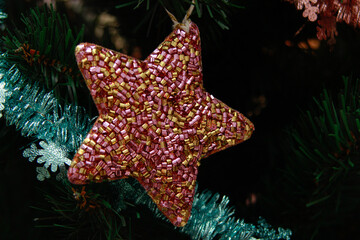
x,y
156,121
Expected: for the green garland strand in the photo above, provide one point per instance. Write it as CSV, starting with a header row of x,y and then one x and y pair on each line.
x,y
38,114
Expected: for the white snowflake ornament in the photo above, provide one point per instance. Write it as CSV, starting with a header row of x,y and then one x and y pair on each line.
x,y
62,173
31,152
53,155
50,154
43,173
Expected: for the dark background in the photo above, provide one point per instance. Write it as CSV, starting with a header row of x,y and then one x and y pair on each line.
x,y
261,67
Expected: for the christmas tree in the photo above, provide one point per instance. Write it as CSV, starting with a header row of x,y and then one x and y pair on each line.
x,y
299,170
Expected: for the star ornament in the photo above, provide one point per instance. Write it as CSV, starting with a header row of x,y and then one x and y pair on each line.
x,y
156,121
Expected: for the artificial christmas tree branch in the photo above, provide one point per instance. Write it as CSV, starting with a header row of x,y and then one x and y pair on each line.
x,y
321,173
44,49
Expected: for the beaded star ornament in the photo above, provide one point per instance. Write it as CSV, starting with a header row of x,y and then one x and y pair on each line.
x,y
156,121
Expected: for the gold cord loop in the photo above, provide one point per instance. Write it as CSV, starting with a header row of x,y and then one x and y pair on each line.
x,y
189,12
185,24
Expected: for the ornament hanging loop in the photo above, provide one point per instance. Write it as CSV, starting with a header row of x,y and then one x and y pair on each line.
x,y
189,12
185,24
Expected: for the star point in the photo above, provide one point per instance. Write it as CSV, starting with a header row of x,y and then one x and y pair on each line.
x,y
156,121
